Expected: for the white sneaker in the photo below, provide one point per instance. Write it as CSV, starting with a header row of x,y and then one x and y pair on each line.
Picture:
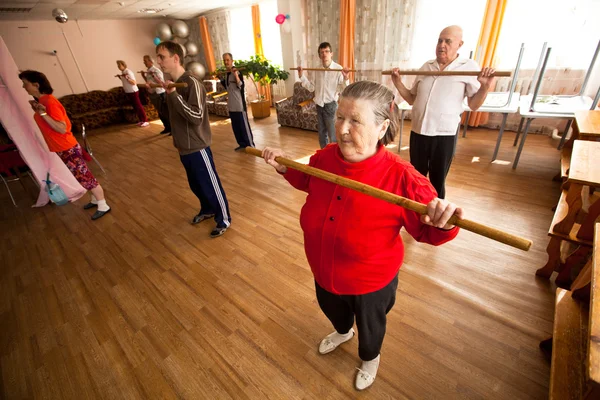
x,y
144,124
333,340
366,373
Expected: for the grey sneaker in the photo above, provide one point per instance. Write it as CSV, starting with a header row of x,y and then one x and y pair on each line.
x,y
218,231
201,217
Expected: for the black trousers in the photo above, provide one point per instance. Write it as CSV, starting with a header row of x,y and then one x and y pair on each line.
x,y
241,128
159,101
433,155
370,311
206,185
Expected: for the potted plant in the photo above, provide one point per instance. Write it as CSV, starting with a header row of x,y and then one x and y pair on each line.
x,y
262,72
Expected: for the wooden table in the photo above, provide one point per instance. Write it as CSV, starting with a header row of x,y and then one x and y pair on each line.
x,y
587,124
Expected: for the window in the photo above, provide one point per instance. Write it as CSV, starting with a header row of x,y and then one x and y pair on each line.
x,y
241,35
271,34
570,27
432,16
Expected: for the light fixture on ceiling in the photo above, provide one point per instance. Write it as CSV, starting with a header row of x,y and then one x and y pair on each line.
x,y
14,10
60,16
150,10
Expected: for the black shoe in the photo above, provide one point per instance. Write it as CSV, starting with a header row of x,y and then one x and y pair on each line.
x,y
240,148
165,132
218,231
99,214
201,217
90,205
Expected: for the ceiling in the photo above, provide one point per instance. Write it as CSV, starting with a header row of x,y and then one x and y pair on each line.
x,y
112,9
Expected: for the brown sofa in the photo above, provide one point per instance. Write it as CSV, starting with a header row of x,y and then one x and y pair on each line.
x,y
298,111
216,98
100,108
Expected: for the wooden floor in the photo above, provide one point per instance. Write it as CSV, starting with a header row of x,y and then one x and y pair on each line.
x,y
141,304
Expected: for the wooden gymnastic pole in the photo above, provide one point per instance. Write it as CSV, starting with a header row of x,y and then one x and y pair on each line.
x,y
324,69
446,73
475,227
240,68
158,85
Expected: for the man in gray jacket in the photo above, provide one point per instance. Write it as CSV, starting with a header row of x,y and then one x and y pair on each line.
x,y
190,128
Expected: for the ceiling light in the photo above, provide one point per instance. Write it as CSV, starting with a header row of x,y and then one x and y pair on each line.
x,y
150,10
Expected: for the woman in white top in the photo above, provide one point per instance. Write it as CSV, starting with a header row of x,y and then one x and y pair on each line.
x,y
128,79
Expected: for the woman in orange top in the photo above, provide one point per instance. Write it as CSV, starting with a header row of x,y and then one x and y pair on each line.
x,y
55,126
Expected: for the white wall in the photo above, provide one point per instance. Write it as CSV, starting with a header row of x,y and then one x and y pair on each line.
x,y
291,43
96,45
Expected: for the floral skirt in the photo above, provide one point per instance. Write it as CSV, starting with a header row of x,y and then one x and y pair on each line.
x,y
73,159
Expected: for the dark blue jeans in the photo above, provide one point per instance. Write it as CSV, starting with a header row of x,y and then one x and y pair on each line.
x,y
326,121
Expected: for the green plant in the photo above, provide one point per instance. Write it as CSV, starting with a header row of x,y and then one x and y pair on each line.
x,y
262,71
259,70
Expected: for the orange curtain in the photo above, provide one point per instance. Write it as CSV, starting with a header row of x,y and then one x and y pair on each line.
x,y
258,47
211,65
487,44
346,52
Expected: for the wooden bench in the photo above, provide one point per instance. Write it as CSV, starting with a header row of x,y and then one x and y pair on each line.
x,y
575,365
575,214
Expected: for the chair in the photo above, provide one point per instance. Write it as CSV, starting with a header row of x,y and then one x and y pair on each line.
x,y
88,148
11,168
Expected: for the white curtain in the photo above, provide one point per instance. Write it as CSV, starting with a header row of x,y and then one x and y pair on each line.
x,y
384,31
219,27
322,25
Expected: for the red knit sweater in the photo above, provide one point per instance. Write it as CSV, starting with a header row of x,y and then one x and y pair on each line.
x,y
352,240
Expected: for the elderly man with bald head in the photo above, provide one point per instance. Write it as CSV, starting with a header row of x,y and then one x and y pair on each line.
x,y
437,106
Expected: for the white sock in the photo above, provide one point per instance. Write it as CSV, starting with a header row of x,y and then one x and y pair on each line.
x,y
338,338
93,200
102,206
371,366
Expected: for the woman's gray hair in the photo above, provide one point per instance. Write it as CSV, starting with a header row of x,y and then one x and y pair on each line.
x,y
384,106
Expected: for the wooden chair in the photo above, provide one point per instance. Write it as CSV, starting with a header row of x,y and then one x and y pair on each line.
x,y
575,365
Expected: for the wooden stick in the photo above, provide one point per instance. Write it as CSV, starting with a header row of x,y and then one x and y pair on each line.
x,y
240,68
158,85
480,229
324,69
446,73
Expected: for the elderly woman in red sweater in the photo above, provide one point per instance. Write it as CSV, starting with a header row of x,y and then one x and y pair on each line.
x,y
351,240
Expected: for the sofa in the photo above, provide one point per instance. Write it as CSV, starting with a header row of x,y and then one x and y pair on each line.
x,y
216,98
100,108
298,111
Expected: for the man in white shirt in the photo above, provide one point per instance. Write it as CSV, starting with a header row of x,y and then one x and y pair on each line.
x,y
131,90
437,106
326,87
157,95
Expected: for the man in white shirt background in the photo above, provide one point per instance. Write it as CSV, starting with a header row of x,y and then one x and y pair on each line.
x,y
326,87
437,106
131,90
157,95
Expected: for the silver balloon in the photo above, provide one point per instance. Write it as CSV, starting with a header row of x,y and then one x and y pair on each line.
x,y
180,29
192,48
163,31
183,49
60,16
196,69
